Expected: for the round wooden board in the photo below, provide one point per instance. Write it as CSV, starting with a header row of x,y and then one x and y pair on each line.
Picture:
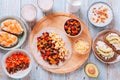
x,y
57,20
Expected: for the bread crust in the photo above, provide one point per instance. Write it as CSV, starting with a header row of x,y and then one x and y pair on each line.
x,y
10,45
101,57
6,26
18,34
106,41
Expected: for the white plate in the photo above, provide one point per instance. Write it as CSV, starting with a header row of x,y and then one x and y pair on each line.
x,y
21,38
99,35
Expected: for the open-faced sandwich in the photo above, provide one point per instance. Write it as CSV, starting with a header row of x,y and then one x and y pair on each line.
x,y
113,39
12,26
104,52
51,48
7,40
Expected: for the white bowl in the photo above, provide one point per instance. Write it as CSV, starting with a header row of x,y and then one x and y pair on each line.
x,y
82,53
18,74
89,13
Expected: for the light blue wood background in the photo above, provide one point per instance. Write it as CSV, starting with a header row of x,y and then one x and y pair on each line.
x,y
107,72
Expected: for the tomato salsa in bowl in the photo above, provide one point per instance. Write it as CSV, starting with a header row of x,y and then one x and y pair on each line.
x,y
17,63
72,27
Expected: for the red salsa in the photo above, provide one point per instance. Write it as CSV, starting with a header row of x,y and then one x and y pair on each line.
x,y
17,62
72,27
46,46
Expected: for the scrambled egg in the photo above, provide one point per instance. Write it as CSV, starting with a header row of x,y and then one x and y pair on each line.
x,y
60,44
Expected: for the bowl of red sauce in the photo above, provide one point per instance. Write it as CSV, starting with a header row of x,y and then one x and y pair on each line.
x,y
17,63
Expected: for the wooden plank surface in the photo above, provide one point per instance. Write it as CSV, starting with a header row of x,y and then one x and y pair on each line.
x,y
107,72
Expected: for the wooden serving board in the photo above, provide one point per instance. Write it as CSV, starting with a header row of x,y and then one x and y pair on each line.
x,y
57,20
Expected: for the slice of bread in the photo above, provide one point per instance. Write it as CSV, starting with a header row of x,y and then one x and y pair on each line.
x,y
110,43
12,26
100,56
7,40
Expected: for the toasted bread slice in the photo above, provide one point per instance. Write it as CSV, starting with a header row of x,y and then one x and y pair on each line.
x,y
113,40
7,40
12,26
103,51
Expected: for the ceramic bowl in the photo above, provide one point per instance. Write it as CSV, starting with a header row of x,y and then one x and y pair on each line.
x,y
22,38
18,74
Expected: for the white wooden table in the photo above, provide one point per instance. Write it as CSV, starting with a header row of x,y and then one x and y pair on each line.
x,y
107,72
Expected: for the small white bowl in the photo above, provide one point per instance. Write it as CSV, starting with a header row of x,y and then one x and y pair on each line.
x,y
85,52
18,74
89,13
